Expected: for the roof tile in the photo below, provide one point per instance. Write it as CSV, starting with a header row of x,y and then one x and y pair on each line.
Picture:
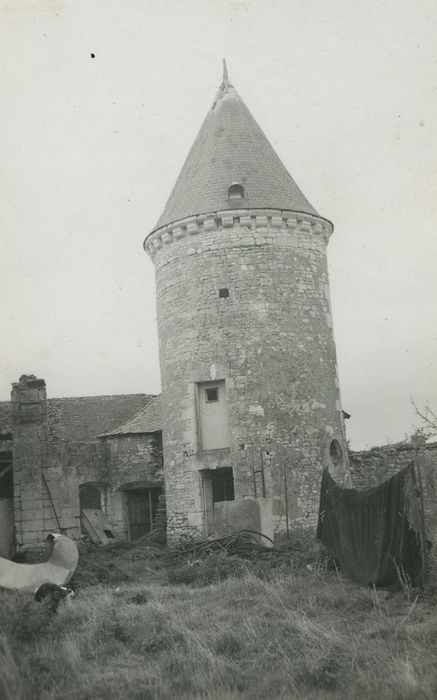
x,y
84,418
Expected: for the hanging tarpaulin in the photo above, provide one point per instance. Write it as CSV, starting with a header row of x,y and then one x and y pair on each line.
x,y
374,534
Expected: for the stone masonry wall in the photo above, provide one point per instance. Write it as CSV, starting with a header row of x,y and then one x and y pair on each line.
x,y
371,467
112,464
132,460
68,465
271,340
48,471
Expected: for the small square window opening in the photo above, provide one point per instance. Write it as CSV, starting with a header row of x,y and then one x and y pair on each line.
x,y
223,293
211,394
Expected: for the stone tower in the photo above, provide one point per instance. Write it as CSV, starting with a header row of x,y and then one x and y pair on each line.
x,y
250,394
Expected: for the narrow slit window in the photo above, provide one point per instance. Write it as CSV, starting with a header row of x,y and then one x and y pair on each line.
x,y
211,394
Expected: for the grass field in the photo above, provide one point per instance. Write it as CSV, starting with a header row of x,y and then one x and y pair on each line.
x,y
274,627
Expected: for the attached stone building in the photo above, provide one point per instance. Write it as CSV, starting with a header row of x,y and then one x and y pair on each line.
x,y
250,394
59,456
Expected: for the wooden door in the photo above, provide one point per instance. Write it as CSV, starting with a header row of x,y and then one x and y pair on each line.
x,y
140,517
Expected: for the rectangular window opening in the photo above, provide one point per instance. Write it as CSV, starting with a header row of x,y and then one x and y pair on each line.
x,y
218,486
212,394
222,484
223,293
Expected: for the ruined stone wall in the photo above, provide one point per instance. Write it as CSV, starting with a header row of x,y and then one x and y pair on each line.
x,y
371,467
427,468
47,476
49,471
68,465
271,340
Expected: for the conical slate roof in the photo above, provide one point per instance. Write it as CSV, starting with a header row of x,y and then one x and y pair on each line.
x,y
231,148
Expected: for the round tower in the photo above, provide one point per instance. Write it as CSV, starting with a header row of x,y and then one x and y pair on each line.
x,y
250,393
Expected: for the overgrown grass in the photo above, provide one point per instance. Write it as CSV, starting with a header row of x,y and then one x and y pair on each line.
x,y
299,634
143,560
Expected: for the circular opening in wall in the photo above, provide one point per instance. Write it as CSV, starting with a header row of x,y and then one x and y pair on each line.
x,y
335,452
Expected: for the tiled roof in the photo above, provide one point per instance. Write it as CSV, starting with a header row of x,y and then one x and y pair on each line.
x,y
84,418
231,148
148,420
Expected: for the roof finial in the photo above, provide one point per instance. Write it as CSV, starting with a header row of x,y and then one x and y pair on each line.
x,y
225,74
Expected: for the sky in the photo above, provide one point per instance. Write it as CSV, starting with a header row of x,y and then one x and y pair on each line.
x,y
345,91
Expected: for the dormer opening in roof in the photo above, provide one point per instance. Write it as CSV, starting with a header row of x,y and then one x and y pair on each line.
x,y
236,192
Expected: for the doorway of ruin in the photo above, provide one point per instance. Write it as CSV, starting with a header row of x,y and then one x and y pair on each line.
x,y
89,497
141,508
93,495
217,486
